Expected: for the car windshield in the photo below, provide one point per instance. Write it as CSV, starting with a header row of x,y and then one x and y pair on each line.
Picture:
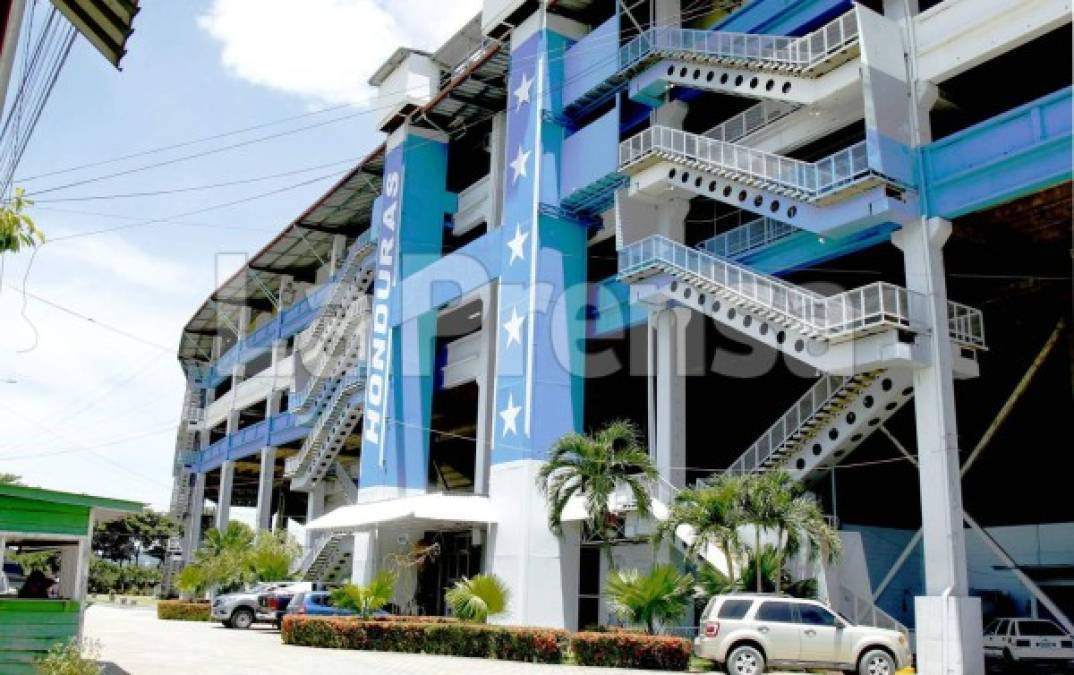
x,y
1039,628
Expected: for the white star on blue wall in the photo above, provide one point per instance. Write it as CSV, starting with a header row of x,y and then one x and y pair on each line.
x,y
518,164
516,244
509,415
522,92
514,327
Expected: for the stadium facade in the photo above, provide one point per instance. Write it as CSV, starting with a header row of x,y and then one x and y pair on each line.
x,y
769,233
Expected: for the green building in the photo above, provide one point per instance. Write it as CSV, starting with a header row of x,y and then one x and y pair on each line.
x,y
37,519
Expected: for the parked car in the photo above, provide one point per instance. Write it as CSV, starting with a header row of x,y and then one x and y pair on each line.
x,y
1029,642
316,603
240,610
747,633
274,603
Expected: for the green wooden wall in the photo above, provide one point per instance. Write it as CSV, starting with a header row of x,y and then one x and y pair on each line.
x,y
28,628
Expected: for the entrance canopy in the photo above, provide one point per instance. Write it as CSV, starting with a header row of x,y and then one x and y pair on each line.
x,y
438,510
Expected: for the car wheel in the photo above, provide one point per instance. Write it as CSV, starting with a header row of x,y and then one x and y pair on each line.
x,y
242,618
226,622
745,660
876,662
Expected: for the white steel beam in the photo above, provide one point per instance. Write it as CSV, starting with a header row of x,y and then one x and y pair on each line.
x,y
957,35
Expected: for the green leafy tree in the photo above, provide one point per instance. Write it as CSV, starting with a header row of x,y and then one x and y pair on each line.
x,y
645,599
593,467
711,581
761,571
271,555
17,229
10,479
103,575
714,512
195,580
47,562
368,598
479,597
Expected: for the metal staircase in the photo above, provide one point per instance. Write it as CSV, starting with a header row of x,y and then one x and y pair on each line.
x,y
827,332
342,349
191,418
830,179
351,274
807,57
325,440
326,560
827,423
751,119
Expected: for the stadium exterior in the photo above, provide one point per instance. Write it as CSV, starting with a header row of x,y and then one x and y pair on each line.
x,y
758,230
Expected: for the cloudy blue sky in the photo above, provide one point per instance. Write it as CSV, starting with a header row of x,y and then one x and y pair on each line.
x,y
89,409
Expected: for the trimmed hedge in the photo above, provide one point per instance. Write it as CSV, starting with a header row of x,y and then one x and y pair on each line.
x,y
619,649
180,610
426,635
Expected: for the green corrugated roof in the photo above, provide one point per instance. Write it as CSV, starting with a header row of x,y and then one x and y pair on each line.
x,y
70,498
107,24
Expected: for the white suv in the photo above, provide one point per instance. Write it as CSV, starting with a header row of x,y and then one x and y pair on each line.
x,y
748,632
1029,641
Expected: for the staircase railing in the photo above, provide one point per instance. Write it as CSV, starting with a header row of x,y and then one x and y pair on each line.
x,y
749,120
340,283
317,545
802,411
333,411
870,307
796,53
343,336
810,179
863,611
751,236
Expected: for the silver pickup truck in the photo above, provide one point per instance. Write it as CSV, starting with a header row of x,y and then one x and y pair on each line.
x,y
240,610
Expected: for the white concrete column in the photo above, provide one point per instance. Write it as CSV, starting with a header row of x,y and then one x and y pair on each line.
x,y
486,390
497,163
197,510
69,556
223,502
364,557
671,219
667,13
286,294
265,477
338,252
670,405
314,507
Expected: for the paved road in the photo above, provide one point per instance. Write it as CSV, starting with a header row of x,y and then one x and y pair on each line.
x,y
134,641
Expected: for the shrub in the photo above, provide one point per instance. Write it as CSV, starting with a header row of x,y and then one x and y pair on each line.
x,y
426,635
630,650
179,610
477,598
71,658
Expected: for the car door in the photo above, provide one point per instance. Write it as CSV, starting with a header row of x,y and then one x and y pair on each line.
x,y
822,640
776,621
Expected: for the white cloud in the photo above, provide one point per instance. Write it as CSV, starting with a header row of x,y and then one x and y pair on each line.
x,y
326,50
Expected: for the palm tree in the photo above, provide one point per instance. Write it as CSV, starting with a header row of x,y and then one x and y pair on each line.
x,y
271,555
660,595
774,501
368,598
235,537
477,598
714,512
594,466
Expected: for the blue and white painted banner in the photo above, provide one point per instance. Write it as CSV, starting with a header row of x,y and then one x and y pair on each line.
x,y
386,223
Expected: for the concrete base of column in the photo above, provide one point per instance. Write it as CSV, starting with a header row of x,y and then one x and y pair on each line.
x,y
364,557
949,635
539,568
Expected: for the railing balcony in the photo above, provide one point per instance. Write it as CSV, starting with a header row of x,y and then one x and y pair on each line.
x,y
812,180
797,53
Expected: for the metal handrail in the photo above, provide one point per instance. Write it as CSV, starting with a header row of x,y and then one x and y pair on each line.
x,y
863,611
749,237
804,409
343,337
749,120
330,416
811,179
797,53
